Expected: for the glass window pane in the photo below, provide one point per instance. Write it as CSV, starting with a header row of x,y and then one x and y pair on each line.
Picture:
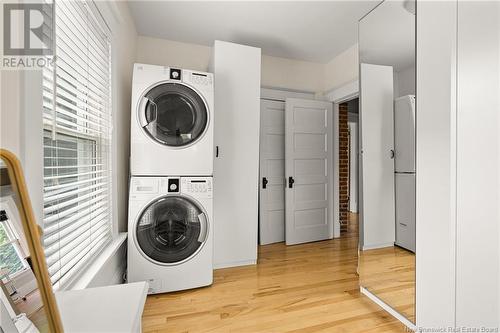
x,y
10,259
4,238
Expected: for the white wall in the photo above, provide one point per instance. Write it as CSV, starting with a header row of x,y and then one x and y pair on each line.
x,y
164,52
20,129
275,72
292,74
124,38
404,82
112,272
10,117
342,69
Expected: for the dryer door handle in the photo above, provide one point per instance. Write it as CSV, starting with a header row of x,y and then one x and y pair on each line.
x,y
147,115
203,227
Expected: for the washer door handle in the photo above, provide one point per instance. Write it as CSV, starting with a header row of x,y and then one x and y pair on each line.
x,y
203,227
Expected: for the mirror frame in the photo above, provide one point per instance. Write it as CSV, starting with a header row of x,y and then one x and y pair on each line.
x,y
33,235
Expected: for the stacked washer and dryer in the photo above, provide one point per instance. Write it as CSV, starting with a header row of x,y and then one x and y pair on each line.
x,y
170,232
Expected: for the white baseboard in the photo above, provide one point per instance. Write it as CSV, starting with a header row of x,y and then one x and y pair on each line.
x,y
377,246
235,264
388,308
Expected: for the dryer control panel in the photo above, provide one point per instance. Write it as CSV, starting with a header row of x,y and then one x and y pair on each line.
x,y
197,186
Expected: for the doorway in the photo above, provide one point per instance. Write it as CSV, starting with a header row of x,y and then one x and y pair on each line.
x,y
296,168
348,164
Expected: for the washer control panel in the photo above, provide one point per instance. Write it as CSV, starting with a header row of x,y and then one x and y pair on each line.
x,y
194,186
197,186
144,185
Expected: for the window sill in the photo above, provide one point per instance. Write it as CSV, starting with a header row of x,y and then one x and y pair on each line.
x,y
93,269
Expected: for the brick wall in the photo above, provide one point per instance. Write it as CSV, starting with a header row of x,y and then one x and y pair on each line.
x,y
343,166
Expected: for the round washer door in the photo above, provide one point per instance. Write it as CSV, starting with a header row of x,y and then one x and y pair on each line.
x,y
171,229
173,114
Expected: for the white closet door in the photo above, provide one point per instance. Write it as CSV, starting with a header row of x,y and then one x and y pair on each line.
x,y
272,172
377,144
308,168
236,168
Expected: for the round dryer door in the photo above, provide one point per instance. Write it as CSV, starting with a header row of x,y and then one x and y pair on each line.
x,y
173,114
171,229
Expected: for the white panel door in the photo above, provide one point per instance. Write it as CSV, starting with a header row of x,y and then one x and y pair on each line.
x,y
377,144
272,172
308,168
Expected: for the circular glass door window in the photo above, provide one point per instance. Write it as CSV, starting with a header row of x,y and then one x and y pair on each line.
x,y
171,229
173,114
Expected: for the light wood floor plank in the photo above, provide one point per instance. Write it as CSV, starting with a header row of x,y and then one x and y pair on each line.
x,y
304,288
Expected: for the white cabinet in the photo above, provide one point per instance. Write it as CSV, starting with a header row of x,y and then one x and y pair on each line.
x,y
458,256
236,71
478,124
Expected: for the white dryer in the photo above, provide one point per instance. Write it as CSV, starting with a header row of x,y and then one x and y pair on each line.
x,y
171,122
170,232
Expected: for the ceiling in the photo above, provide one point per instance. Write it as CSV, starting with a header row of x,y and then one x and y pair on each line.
x,y
311,31
387,36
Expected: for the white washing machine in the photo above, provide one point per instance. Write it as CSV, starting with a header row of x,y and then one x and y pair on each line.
x,y
170,232
171,122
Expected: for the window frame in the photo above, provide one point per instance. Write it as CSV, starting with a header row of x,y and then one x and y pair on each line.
x,y
111,146
14,238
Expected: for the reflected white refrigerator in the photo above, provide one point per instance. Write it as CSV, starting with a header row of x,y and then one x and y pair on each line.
x,y
404,155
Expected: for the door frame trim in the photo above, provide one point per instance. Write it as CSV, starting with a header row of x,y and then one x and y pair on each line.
x,y
339,95
281,95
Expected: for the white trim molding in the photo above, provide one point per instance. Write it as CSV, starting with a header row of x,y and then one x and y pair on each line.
x,y
235,264
411,326
339,95
344,93
282,94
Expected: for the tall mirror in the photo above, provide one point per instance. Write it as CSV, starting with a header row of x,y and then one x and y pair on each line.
x,y
26,299
387,159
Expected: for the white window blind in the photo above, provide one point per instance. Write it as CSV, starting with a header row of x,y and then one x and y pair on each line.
x,y
77,141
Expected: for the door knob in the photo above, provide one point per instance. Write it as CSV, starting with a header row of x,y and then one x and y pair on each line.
x,y
290,182
392,153
264,182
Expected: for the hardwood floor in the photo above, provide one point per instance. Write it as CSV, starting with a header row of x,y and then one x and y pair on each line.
x,y
389,273
304,288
